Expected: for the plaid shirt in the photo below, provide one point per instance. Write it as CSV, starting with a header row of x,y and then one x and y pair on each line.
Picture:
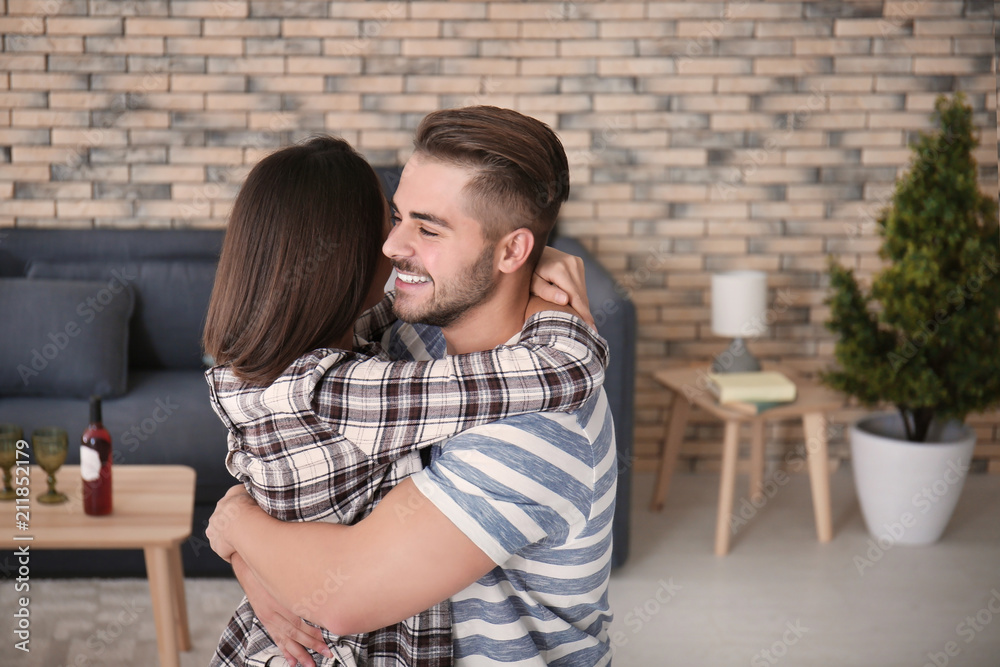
x,y
330,437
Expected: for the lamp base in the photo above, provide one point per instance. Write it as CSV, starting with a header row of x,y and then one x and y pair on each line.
x,y
736,359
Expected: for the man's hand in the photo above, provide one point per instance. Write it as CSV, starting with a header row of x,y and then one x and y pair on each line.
x,y
225,517
559,279
290,633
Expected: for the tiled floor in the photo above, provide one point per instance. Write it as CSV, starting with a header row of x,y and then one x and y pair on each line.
x,y
778,598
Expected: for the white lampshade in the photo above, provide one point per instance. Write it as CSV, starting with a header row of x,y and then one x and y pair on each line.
x,y
739,304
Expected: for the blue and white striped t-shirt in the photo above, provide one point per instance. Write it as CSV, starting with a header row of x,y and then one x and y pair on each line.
x,y
537,494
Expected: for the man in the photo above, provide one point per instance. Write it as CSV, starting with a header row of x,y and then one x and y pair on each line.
x,y
511,520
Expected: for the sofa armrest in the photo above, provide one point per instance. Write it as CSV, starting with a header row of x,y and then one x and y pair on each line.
x,y
615,316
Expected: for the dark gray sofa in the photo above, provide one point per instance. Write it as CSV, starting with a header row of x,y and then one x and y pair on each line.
x,y
164,416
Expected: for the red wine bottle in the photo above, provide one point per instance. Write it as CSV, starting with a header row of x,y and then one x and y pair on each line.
x,y
95,463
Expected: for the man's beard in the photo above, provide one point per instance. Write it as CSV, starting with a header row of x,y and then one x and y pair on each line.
x,y
450,302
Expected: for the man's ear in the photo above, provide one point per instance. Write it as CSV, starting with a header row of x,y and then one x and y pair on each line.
x,y
515,249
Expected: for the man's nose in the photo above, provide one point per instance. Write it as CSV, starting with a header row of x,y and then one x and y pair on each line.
x,y
397,243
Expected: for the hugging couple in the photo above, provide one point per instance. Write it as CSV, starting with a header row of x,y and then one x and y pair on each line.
x,y
427,476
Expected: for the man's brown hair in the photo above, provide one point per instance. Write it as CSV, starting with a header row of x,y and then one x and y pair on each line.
x,y
301,250
522,175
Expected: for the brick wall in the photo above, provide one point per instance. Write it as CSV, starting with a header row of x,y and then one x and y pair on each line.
x,y
703,135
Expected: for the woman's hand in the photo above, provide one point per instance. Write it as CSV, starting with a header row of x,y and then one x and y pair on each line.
x,y
290,633
559,278
225,517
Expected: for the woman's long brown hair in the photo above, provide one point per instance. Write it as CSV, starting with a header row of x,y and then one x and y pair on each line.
x,y
301,250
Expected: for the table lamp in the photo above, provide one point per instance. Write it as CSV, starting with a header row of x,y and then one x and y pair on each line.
x,y
739,306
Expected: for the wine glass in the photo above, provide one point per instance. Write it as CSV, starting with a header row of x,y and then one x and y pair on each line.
x,y
9,435
50,445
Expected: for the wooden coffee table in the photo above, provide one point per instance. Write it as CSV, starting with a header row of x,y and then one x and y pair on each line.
x,y
153,506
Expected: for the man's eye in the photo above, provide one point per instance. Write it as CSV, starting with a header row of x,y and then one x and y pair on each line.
x,y
426,232
394,218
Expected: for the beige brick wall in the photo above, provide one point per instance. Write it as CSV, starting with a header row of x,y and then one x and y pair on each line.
x,y
702,135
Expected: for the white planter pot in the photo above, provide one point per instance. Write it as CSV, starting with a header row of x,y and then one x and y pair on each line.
x,y
908,490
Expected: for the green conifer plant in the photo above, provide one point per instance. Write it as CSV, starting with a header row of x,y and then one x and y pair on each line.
x,y
926,337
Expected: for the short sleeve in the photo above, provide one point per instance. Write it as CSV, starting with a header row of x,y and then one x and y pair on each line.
x,y
513,483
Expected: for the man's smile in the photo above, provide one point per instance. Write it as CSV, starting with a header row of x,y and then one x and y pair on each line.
x,y
411,278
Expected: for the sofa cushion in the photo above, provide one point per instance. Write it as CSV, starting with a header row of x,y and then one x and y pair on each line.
x,y
171,301
166,417
64,337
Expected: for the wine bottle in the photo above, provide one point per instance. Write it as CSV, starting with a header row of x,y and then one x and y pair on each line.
x,y
95,463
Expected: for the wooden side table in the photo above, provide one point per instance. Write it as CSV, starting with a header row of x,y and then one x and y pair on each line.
x,y
153,506
811,404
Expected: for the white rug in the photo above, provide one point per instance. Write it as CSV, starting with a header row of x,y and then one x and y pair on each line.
x,y
109,622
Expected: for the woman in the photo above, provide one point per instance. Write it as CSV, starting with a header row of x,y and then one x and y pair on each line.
x,y
320,425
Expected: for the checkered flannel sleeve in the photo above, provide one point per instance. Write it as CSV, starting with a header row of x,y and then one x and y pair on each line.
x,y
385,408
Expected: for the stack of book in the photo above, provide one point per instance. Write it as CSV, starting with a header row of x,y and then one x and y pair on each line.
x,y
752,393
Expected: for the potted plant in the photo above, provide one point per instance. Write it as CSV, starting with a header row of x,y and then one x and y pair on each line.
x,y
924,338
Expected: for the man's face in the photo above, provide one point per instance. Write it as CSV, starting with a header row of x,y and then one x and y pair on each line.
x,y
443,263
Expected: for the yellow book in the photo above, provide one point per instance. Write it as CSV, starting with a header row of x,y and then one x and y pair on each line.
x,y
758,387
